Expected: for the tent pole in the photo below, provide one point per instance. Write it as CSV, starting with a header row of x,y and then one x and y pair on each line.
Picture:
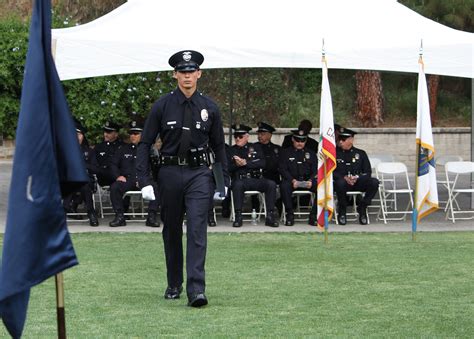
x,y
231,104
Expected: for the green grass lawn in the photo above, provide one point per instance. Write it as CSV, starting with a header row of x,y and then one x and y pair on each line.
x,y
269,285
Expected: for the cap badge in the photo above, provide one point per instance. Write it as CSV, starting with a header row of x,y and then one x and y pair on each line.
x,y
134,124
107,124
186,56
204,115
300,132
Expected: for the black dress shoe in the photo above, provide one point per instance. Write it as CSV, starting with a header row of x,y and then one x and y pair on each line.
x,y
271,222
119,220
152,220
238,220
197,300
173,292
313,220
211,221
362,210
93,219
341,219
290,219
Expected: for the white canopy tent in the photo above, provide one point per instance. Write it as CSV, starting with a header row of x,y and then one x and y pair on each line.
x,y
140,35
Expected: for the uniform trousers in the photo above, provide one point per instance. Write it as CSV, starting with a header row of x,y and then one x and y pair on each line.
x,y
286,190
185,190
364,183
239,186
85,194
118,189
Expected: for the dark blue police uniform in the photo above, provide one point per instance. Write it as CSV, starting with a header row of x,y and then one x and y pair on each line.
x,y
353,162
185,182
300,165
104,152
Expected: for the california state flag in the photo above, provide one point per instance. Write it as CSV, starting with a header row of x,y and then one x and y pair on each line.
x,y
326,151
426,192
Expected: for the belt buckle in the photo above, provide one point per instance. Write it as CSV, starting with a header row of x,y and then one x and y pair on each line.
x,y
182,161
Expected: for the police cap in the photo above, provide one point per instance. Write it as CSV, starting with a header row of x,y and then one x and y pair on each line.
x,y
135,127
110,126
241,129
264,127
299,134
79,127
346,132
186,61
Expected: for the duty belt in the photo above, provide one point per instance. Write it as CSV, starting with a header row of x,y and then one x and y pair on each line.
x,y
195,158
255,174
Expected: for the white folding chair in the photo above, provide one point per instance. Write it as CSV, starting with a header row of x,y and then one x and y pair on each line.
x,y
137,205
301,210
456,186
441,181
262,211
102,198
398,172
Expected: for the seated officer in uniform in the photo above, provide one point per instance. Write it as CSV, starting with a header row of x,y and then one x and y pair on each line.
x,y
123,170
272,153
306,126
353,173
85,193
105,151
299,168
246,163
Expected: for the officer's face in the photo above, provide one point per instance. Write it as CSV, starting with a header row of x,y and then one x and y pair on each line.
x,y
80,137
241,139
135,137
187,81
264,137
298,143
110,135
346,143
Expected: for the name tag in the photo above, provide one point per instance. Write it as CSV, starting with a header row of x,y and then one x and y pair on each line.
x,y
171,123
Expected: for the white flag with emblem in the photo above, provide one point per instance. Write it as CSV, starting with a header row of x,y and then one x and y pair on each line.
x,y
426,193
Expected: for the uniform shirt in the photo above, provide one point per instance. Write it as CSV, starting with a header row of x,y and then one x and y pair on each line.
x,y
92,166
250,152
354,162
123,162
105,151
301,165
272,154
166,120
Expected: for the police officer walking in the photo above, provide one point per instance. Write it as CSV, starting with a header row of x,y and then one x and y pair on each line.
x,y
190,127
353,173
123,170
246,164
105,152
298,168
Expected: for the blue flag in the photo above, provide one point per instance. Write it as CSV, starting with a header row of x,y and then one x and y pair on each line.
x,y
47,164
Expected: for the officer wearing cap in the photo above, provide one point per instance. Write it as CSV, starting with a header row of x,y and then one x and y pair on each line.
x,y
246,164
105,151
306,126
123,170
298,167
71,202
353,173
190,127
270,150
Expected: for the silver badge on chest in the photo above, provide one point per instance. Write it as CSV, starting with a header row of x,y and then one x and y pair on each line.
x,y
198,125
204,115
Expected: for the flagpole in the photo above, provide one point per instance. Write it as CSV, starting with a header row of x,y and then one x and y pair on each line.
x,y
325,206
414,217
61,318
59,279
326,221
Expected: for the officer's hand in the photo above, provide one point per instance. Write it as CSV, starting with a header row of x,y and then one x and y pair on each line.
x,y
218,197
148,193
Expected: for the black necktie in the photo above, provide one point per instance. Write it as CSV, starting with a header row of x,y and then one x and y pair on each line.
x,y
186,132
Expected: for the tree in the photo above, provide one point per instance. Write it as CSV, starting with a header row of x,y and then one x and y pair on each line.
x,y
369,102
